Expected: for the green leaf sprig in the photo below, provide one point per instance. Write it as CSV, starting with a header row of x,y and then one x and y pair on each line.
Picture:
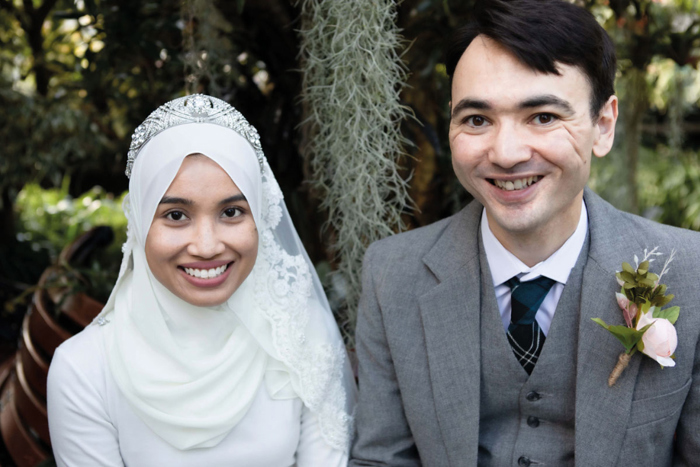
x,y
641,286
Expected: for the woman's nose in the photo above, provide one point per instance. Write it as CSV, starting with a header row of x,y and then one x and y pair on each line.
x,y
206,241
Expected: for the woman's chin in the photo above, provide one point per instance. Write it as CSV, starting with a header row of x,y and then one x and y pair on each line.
x,y
207,297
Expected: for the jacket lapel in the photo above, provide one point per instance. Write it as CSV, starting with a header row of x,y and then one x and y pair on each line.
x,y
450,316
602,412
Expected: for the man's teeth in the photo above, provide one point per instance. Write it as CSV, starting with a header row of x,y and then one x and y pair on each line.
x,y
516,184
206,273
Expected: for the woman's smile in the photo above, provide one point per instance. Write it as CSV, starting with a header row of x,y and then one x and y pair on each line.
x,y
207,275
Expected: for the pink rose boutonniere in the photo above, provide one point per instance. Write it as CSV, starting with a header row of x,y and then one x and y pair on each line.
x,y
648,328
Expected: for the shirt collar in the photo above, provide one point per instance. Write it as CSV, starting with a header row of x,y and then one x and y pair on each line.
x,y
504,264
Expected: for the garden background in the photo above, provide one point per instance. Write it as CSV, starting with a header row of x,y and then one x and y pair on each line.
x,y
350,99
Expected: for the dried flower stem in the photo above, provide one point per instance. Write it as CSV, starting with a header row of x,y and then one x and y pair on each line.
x,y
622,361
668,261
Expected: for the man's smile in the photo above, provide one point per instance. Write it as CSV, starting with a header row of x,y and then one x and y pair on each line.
x,y
515,184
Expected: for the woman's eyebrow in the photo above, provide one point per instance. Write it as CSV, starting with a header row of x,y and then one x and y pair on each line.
x,y
233,199
174,200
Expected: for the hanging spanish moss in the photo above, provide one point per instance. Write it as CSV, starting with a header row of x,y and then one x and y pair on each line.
x,y
206,47
353,75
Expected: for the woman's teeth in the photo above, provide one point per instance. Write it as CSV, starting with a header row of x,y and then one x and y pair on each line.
x,y
206,273
519,184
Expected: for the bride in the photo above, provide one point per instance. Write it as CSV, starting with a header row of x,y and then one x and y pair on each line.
x,y
217,345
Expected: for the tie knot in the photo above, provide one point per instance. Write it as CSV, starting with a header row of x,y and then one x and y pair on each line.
x,y
543,283
526,297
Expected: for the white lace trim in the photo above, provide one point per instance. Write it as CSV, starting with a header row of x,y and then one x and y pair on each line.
x,y
283,285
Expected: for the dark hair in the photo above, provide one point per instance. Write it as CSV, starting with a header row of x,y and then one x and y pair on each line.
x,y
540,33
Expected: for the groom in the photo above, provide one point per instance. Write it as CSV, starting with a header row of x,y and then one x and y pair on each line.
x,y
475,337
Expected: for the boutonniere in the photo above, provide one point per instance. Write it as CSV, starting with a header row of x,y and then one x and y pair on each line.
x,y
648,328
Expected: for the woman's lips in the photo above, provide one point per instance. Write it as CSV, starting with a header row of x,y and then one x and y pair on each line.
x,y
205,264
213,274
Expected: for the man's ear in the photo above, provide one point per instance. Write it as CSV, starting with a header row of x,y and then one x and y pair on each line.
x,y
606,128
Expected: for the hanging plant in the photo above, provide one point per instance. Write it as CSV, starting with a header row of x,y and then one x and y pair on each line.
x,y
353,75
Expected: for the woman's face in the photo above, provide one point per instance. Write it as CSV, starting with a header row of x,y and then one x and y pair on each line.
x,y
203,242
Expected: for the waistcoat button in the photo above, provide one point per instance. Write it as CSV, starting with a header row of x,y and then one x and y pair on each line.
x,y
533,396
534,422
524,461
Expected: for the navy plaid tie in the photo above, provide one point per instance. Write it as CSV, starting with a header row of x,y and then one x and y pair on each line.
x,y
524,334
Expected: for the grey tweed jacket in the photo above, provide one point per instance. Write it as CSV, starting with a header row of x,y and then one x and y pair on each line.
x,y
418,344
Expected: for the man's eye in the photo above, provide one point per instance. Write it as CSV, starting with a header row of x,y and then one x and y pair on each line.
x,y
544,119
232,212
476,121
175,215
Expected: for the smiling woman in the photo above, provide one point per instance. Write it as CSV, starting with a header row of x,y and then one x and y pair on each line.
x,y
217,345
203,241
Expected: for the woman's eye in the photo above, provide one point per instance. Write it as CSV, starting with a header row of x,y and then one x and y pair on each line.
x,y
232,212
175,215
544,119
476,121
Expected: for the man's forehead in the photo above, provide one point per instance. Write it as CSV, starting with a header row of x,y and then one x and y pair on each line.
x,y
486,56
487,69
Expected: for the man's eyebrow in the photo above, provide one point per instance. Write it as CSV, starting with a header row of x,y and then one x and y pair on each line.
x,y
547,99
468,103
174,200
233,199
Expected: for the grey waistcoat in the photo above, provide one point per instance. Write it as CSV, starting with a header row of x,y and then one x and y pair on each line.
x,y
529,420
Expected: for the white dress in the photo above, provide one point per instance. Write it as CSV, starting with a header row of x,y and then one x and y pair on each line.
x,y
92,424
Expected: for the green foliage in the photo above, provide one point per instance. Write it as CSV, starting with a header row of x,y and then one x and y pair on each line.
x,y
669,187
668,184
59,138
49,219
106,63
641,286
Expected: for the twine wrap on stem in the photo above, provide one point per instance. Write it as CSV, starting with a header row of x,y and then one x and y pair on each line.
x,y
622,361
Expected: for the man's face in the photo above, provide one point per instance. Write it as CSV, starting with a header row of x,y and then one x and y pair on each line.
x,y
522,140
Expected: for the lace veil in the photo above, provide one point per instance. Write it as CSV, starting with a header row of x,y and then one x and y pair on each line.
x,y
191,373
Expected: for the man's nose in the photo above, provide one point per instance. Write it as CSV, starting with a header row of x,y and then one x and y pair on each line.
x,y
206,241
509,147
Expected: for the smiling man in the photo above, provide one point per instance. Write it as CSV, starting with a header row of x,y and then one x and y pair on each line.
x,y
475,337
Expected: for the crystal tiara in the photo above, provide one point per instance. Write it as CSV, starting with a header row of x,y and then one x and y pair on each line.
x,y
197,108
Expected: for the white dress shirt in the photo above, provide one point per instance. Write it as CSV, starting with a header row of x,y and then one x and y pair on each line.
x,y
504,265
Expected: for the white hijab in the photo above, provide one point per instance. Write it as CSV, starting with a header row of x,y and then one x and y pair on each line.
x,y
190,372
